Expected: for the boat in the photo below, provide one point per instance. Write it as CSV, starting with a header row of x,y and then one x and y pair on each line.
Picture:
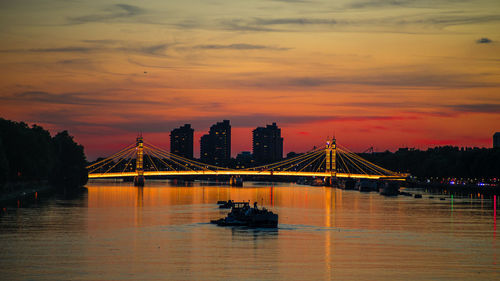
x,y
243,215
367,185
389,188
225,204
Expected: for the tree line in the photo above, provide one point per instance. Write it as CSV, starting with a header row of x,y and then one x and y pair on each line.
x,y
30,154
442,162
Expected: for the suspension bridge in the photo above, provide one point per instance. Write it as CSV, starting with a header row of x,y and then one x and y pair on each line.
x,y
144,159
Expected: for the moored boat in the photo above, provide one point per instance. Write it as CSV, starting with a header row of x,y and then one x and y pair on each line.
x,y
389,188
243,215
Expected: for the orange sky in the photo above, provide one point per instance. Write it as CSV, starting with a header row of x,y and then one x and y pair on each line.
x,y
379,73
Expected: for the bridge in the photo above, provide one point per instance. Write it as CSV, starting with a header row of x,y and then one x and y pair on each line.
x,y
143,159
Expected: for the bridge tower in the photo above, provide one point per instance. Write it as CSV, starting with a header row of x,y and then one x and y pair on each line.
x,y
139,179
331,150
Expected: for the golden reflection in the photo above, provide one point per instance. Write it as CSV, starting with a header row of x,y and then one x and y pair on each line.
x,y
139,205
329,207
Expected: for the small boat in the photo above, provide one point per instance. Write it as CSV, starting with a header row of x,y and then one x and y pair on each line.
x,y
367,186
389,188
225,204
243,215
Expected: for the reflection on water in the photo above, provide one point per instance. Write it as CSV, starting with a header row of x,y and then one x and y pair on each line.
x,y
161,232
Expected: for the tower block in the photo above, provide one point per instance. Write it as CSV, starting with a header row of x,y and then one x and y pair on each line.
x,y
139,179
331,150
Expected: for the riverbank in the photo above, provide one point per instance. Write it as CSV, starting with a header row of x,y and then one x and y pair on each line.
x,y
24,193
464,189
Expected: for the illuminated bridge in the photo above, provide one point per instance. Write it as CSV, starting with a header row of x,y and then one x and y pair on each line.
x,y
143,159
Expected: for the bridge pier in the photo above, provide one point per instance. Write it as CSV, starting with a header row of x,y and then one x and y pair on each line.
x,y
139,181
331,151
235,181
331,181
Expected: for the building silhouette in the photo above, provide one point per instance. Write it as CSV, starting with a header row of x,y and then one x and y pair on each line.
x,y
267,144
181,141
496,140
244,160
215,147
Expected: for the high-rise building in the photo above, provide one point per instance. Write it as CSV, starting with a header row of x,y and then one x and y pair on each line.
x,y
181,141
496,140
267,144
206,151
215,147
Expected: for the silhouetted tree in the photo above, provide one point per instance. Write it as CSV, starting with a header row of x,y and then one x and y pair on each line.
x,y
31,154
446,161
4,164
69,169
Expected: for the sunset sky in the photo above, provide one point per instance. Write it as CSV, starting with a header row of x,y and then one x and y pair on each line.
x,y
374,73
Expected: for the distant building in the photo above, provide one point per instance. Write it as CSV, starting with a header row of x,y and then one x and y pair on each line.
x,y
215,147
267,144
181,141
206,149
244,160
496,140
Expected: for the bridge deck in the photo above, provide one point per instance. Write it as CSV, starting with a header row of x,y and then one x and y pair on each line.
x,y
244,173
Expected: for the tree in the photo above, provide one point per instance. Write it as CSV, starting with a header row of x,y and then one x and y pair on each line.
x,y
69,169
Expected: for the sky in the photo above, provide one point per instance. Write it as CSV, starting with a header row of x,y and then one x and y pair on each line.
x,y
373,73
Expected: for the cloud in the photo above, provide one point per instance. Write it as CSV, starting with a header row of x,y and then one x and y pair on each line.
x,y
380,3
241,25
102,46
116,12
476,108
294,21
292,1
483,40
411,23
74,61
414,79
155,50
71,49
274,24
239,46
82,99
450,20
101,41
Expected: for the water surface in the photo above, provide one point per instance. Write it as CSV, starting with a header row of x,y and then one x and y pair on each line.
x,y
161,232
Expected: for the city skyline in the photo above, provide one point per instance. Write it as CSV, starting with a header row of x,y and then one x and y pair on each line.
x,y
374,73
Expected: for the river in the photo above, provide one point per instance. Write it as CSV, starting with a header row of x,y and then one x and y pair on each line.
x,y
115,231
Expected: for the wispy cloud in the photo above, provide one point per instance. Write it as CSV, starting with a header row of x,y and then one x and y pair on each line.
x,y
116,12
476,108
483,40
275,24
101,46
380,3
294,21
82,99
413,79
238,46
293,1
410,23
70,49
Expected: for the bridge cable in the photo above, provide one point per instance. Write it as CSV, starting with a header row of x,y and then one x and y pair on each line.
x,y
112,156
190,161
310,163
109,160
172,160
159,157
121,159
